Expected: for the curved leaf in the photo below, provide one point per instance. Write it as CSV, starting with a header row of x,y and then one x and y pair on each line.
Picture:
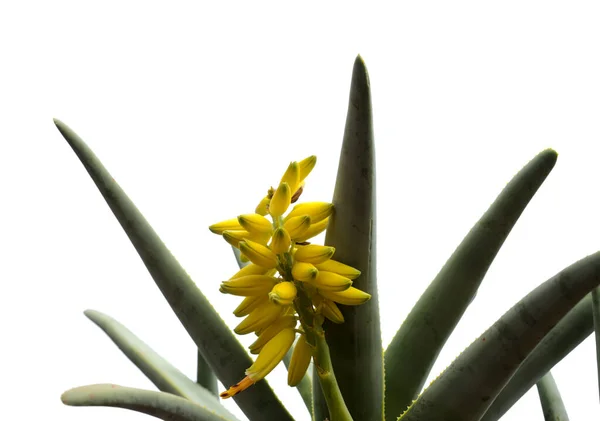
x,y
214,339
596,311
557,344
355,345
160,372
552,403
158,404
417,344
465,390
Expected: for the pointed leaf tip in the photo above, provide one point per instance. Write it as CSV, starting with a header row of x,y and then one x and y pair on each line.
x,y
360,74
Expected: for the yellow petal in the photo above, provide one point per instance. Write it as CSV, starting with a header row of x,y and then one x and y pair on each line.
x,y
297,226
263,207
281,241
255,223
350,297
250,269
271,354
299,362
248,304
268,333
316,210
242,385
313,253
281,200
330,310
246,286
302,271
258,254
306,166
331,281
259,318
339,268
292,176
283,293
230,224
313,230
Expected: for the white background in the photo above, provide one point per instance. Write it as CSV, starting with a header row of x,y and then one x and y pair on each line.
x,y
197,109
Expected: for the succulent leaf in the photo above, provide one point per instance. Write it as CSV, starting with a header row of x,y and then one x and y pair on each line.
x,y
160,372
417,344
596,313
355,345
217,344
466,389
158,404
576,326
552,404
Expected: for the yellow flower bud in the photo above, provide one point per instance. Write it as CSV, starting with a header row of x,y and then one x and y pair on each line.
x,y
292,176
263,207
259,318
249,285
339,268
250,303
258,254
281,200
281,241
350,297
331,282
302,271
313,230
313,253
269,332
297,226
316,210
251,269
255,223
306,166
330,310
283,293
230,224
300,361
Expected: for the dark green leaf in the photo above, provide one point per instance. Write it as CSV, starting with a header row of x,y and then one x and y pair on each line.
x,y
552,403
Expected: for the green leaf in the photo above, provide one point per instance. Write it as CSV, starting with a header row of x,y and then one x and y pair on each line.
x,y
466,389
158,404
160,372
305,385
557,344
552,403
355,346
217,344
417,344
204,375
596,312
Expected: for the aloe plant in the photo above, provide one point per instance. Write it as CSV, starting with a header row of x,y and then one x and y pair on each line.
x,y
325,299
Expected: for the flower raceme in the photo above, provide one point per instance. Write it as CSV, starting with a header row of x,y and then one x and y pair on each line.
x,y
283,268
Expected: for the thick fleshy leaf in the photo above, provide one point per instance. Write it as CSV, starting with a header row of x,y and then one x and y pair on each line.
x,y
552,404
596,311
217,344
204,375
160,372
355,345
417,344
158,404
465,390
573,329
305,385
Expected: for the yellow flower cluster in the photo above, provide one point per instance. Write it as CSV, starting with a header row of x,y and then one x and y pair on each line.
x,y
283,265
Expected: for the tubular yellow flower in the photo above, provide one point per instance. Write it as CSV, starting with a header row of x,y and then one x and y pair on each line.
x,y
306,166
251,269
304,271
268,358
313,230
258,254
263,207
234,237
299,361
313,253
330,281
283,293
268,333
339,268
330,310
259,318
281,241
281,200
292,176
297,226
230,224
255,223
249,285
316,210
248,304
350,297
